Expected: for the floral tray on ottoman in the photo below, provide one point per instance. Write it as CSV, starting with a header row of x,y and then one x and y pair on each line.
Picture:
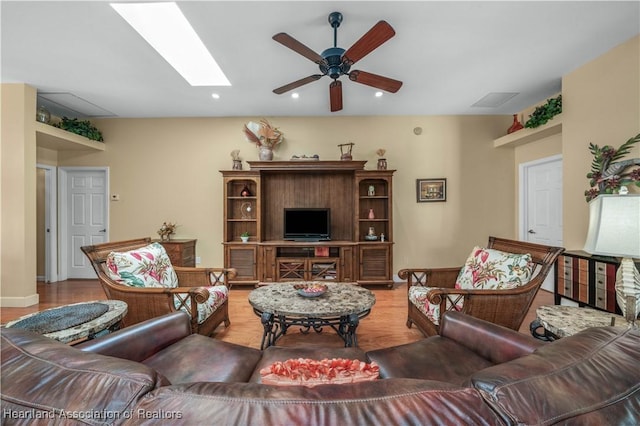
x,y
309,372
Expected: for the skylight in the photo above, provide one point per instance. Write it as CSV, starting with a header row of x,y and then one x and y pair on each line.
x,y
166,29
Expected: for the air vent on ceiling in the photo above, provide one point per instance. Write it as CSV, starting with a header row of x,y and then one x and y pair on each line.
x,y
494,99
70,105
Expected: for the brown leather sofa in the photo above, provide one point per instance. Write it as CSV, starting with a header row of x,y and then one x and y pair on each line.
x,y
473,373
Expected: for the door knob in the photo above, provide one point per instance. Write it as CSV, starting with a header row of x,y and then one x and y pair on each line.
x,y
531,231
102,230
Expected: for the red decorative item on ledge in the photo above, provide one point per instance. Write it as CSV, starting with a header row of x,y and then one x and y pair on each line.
x,y
516,125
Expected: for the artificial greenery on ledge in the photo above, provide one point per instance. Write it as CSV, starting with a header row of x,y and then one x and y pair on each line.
x,y
544,112
80,127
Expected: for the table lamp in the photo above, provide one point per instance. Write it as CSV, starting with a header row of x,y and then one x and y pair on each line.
x,y
614,230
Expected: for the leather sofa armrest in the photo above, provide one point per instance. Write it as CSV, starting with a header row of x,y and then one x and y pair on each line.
x,y
491,341
142,340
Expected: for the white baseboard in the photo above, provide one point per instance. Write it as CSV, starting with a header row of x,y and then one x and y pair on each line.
x,y
19,302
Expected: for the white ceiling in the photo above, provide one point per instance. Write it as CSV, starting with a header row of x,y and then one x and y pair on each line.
x,y
448,54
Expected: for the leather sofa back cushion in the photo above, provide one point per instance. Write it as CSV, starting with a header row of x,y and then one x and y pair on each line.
x,y
47,378
381,402
565,381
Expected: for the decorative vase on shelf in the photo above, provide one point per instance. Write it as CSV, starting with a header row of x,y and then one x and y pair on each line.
x,y
382,164
245,192
43,115
265,153
515,126
237,164
371,214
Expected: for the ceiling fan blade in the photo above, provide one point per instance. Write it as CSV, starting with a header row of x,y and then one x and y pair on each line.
x,y
335,95
297,83
293,44
377,35
374,80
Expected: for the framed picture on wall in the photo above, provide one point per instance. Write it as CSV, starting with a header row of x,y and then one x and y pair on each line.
x,y
430,190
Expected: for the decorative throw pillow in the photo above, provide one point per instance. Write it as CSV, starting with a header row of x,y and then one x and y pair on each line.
x,y
309,372
217,296
491,269
144,267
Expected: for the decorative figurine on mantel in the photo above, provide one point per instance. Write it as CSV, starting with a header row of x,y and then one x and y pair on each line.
x,y
346,156
237,161
265,136
166,230
382,162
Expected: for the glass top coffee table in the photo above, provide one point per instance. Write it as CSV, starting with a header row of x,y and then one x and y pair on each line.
x,y
279,307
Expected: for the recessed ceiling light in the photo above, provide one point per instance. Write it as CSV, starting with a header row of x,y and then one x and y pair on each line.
x,y
295,95
215,96
378,94
166,29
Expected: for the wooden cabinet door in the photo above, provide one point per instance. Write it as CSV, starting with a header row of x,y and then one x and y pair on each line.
x,y
325,268
346,268
242,257
294,269
267,270
374,263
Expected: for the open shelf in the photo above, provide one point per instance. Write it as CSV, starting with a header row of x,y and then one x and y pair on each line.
x,y
60,140
524,136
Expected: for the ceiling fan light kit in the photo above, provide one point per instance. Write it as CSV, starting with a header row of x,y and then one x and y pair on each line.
x,y
335,61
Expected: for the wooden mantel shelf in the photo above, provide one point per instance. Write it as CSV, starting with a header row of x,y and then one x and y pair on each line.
x,y
524,136
60,140
306,165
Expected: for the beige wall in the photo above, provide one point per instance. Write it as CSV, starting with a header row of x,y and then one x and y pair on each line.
x,y
17,196
601,104
168,170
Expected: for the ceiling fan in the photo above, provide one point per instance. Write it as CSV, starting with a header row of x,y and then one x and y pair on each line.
x,y
336,62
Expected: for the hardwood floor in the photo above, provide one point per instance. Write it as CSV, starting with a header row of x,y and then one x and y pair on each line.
x,y
384,327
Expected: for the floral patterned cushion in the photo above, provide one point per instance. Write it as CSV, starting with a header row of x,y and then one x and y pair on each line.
x,y
484,269
418,296
491,269
217,296
144,267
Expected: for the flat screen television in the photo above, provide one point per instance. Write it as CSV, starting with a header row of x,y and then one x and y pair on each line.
x,y
307,224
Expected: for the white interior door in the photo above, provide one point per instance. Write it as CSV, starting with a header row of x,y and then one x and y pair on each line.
x,y
49,230
541,204
84,217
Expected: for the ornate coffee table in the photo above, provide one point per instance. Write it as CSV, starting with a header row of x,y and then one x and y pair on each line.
x,y
87,329
279,307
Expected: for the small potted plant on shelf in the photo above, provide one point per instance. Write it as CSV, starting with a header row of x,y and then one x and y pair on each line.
x,y
244,237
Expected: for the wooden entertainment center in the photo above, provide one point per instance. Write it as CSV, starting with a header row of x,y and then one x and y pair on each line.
x,y
358,199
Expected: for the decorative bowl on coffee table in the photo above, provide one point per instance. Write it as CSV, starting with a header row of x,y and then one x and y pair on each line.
x,y
311,289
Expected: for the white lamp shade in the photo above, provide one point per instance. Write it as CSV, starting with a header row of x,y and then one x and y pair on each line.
x,y
614,226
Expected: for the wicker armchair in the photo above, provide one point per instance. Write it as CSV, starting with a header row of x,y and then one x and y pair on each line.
x,y
146,303
504,307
